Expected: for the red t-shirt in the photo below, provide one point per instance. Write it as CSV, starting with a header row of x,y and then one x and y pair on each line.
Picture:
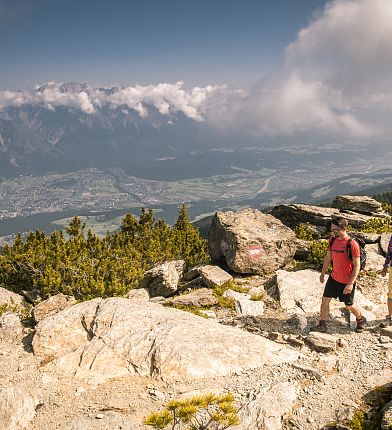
x,y
342,265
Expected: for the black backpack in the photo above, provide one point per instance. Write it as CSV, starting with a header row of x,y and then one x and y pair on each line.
x,y
361,243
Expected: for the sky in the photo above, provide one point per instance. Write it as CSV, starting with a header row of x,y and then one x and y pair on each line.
x,y
200,42
283,68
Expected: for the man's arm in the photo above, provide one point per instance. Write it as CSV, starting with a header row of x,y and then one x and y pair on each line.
x,y
327,262
353,277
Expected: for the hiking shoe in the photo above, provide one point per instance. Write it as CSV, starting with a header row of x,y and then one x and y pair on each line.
x,y
322,326
387,322
361,325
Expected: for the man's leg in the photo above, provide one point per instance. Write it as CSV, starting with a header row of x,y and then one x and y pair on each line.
x,y
324,308
390,291
355,311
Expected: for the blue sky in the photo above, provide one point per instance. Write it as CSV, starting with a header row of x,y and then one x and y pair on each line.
x,y
150,41
289,67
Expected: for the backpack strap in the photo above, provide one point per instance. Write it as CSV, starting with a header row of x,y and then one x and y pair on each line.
x,y
331,242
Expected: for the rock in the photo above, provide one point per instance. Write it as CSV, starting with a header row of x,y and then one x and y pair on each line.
x,y
11,327
202,297
162,280
268,409
321,342
374,260
191,274
294,214
207,313
302,251
386,423
235,295
111,420
328,363
298,321
52,305
247,307
250,241
31,296
101,339
17,408
138,294
310,371
361,204
213,276
299,292
384,241
11,299
193,284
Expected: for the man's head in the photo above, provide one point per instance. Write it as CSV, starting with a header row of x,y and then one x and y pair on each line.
x,y
339,226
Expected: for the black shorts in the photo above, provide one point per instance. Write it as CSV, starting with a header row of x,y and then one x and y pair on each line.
x,y
334,290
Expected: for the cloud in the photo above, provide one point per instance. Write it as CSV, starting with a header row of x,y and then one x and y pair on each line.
x,y
167,98
333,77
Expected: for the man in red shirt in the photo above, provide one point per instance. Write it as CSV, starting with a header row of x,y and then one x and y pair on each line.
x,y
341,282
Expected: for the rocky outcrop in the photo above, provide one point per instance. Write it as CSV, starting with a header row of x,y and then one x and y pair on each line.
x,y
101,339
321,342
374,260
361,204
250,241
17,408
52,305
138,294
162,280
209,275
294,214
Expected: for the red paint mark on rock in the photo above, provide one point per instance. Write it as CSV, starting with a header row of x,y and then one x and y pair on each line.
x,y
254,251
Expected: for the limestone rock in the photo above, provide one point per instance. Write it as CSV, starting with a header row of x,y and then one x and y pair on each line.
x,y
162,280
302,250
250,241
361,204
231,294
321,342
268,409
201,297
138,294
246,307
213,275
17,408
52,305
100,339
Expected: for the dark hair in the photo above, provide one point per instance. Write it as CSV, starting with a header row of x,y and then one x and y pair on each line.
x,y
340,222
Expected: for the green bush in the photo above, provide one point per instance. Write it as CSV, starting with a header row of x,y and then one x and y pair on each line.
x,y
317,252
86,266
304,232
376,225
207,412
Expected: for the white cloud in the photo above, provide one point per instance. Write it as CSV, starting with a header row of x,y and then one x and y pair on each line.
x,y
167,98
333,77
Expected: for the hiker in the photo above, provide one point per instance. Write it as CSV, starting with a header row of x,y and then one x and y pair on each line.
x,y
388,267
341,282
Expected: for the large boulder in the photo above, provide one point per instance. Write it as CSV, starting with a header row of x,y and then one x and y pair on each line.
x,y
162,280
100,339
11,327
374,260
361,204
250,241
